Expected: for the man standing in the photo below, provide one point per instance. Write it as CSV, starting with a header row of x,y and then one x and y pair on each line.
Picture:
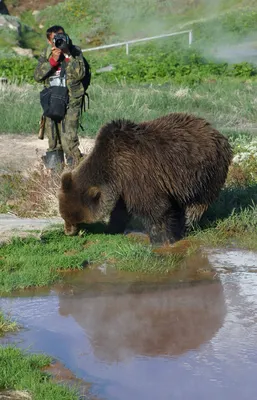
x,y
62,136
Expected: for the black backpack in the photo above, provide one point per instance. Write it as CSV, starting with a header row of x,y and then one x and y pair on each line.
x,y
86,82
54,100
87,78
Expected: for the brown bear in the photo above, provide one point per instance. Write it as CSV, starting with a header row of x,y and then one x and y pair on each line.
x,y
166,172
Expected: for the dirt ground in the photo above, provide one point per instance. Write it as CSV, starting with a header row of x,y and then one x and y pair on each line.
x,y
19,6
23,153
20,152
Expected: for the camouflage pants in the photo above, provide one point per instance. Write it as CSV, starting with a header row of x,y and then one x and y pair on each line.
x,y
64,135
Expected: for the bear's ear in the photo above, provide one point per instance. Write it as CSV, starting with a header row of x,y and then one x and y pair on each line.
x,y
94,192
66,181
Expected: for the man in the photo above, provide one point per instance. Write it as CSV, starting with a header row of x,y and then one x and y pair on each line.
x,y
63,136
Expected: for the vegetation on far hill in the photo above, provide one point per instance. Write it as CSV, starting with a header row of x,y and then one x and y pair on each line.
x,y
224,38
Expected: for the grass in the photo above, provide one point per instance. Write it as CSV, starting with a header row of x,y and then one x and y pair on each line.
x,y
40,262
6,325
239,230
229,104
33,195
23,372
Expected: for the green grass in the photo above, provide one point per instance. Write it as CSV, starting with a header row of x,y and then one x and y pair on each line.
x,y
6,325
23,372
40,262
238,229
229,104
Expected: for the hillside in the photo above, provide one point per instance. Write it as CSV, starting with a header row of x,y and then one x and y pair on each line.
x,y
93,22
224,37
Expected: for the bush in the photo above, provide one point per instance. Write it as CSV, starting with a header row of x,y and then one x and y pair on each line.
x,y
18,69
151,65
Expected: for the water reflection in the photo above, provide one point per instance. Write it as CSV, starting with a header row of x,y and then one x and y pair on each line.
x,y
155,322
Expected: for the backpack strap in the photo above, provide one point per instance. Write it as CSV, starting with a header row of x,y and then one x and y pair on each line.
x,y
63,68
83,104
83,107
87,100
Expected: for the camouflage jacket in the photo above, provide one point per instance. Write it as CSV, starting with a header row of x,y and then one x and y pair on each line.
x,y
75,70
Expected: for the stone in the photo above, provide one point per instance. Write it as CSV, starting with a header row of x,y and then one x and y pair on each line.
x,y
6,21
23,52
14,395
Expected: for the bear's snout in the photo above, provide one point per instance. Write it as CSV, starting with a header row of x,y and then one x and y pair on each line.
x,y
70,230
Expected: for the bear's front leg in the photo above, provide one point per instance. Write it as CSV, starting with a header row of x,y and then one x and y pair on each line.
x,y
119,218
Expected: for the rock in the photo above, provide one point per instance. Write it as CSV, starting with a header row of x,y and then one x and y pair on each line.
x,y
11,225
14,395
23,52
6,21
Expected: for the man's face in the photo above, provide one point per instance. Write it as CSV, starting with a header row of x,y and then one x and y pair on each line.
x,y
52,35
50,41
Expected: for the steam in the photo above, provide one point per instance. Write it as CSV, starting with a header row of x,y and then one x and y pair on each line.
x,y
132,19
245,50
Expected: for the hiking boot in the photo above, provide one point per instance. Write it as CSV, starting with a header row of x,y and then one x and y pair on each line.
x,y
73,161
54,159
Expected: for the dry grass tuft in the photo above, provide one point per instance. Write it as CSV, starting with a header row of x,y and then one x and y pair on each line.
x,y
31,195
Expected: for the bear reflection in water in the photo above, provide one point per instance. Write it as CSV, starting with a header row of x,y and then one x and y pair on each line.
x,y
147,320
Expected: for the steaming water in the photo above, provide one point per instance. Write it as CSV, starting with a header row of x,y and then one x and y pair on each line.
x,y
154,339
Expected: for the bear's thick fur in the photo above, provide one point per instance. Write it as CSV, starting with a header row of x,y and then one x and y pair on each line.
x,y
166,172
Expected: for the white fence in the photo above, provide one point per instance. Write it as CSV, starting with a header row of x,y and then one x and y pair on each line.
x,y
127,43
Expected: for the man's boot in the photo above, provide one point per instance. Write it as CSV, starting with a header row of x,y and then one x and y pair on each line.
x,y
54,160
73,160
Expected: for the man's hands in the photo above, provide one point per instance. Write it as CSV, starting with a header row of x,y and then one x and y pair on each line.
x,y
56,53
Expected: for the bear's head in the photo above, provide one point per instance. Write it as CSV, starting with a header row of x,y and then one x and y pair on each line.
x,y
77,207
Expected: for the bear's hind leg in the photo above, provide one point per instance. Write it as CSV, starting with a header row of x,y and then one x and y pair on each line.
x,y
156,232
175,223
170,228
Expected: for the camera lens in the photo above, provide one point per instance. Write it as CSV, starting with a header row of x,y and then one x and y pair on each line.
x,y
58,43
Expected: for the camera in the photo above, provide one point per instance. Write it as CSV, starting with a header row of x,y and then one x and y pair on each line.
x,y
61,41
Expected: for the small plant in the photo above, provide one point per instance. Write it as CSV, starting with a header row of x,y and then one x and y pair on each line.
x,y
6,325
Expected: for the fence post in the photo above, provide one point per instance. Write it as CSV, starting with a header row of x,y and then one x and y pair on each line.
x,y
127,48
190,38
